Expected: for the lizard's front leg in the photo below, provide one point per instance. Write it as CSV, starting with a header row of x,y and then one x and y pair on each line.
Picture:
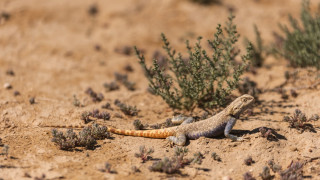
x,y
179,140
231,122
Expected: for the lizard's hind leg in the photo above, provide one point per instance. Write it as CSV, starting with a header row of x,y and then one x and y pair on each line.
x,y
179,140
179,120
188,120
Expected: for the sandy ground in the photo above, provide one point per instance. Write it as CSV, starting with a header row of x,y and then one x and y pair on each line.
x,y
57,50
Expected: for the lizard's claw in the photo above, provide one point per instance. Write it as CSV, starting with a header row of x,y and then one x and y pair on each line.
x,y
241,139
168,143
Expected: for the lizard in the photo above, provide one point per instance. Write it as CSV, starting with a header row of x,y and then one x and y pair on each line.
x,y
221,123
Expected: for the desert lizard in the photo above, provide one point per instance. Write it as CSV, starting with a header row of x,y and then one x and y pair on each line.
x,y
216,125
221,123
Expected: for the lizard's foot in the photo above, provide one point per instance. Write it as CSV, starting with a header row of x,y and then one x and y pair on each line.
x,y
180,140
240,139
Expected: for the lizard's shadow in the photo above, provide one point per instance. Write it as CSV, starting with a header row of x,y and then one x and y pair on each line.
x,y
256,130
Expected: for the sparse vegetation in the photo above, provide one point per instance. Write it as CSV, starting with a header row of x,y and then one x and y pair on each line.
x,y
300,121
265,175
202,81
274,167
248,161
123,78
96,97
172,165
107,168
86,138
294,171
248,86
267,133
215,156
197,158
87,116
144,154
111,86
301,44
248,176
5,150
257,49
76,101
127,109
138,124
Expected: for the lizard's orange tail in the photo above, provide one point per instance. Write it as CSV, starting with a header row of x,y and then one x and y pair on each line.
x,y
157,133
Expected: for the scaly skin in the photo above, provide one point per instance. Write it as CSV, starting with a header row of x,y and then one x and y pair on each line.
x,y
216,125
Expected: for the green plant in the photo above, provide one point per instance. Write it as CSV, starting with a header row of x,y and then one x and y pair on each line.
x,y
197,158
215,156
144,154
257,49
301,44
199,80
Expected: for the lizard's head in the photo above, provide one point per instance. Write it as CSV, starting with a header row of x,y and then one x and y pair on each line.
x,y
240,104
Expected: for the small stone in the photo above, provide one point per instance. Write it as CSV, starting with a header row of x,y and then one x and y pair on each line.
x,y
16,93
7,86
32,100
10,72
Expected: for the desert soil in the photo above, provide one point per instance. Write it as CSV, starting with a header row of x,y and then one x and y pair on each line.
x,y
56,49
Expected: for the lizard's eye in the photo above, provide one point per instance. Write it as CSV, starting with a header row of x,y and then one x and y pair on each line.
x,y
244,100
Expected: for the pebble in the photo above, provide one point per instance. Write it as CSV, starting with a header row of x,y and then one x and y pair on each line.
x,y
7,86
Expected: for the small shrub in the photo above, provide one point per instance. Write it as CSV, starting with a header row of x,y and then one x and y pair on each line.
x,y
267,133
215,156
274,167
107,168
293,172
257,50
127,109
85,116
166,165
200,80
301,44
76,101
248,176
144,154
299,121
265,175
96,97
111,86
249,87
86,138
107,106
197,158
138,124
5,150
180,151
248,161
64,141
123,78
172,165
